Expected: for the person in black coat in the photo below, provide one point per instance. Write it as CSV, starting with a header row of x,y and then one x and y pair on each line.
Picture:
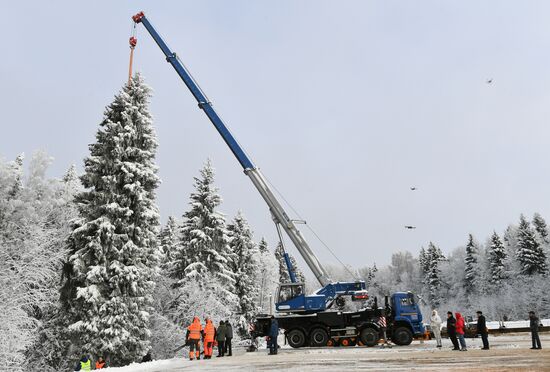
x,y
228,338
273,333
534,326
451,330
482,330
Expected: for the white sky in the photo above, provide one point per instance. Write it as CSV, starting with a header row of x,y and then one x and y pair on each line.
x,y
343,104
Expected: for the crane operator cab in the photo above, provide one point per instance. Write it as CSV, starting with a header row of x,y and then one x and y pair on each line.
x,y
291,298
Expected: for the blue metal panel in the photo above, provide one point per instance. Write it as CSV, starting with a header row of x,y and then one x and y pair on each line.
x,y
201,98
290,268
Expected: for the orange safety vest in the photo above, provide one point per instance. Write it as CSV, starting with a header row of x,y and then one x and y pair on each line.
x,y
99,365
195,329
209,331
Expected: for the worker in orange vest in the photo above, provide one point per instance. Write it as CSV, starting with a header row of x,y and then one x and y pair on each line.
x,y
193,337
100,363
208,338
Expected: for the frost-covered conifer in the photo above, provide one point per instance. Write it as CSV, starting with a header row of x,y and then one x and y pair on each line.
x,y
109,274
530,254
204,242
423,261
268,270
262,246
168,242
245,267
496,257
540,227
471,270
433,275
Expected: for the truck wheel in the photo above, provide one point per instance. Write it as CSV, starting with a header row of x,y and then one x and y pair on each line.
x,y
369,336
296,338
318,337
402,336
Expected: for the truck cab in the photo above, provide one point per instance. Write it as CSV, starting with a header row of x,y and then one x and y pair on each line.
x,y
407,318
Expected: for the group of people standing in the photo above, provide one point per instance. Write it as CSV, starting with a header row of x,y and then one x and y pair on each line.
x,y
456,329
210,337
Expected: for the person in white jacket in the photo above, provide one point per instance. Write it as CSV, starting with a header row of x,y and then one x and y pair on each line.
x,y
435,324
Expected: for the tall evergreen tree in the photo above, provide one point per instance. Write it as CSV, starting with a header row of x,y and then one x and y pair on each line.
x,y
268,270
245,269
530,254
471,269
423,261
168,242
262,246
109,274
496,257
541,229
204,241
433,275
284,276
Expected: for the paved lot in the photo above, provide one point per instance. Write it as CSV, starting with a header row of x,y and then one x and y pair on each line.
x,y
508,353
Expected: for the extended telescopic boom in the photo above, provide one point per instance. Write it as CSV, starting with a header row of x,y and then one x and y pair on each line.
x,y
279,215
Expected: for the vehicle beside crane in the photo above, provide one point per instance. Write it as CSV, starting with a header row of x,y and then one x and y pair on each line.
x,y
316,319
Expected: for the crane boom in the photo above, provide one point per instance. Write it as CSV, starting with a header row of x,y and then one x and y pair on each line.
x,y
279,215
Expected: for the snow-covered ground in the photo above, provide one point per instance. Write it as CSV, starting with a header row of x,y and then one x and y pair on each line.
x,y
508,353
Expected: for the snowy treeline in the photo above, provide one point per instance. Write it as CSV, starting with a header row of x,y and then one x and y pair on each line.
x,y
505,277
34,221
87,268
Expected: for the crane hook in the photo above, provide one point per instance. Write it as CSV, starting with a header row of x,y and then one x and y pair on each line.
x,y
133,43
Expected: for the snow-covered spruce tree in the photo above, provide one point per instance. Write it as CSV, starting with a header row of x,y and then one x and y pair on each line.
x,y
530,254
471,269
168,242
108,280
284,276
433,279
245,269
268,275
423,261
541,229
496,257
204,241
262,246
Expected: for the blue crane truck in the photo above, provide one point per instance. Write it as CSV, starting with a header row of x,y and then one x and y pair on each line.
x,y
340,328
317,319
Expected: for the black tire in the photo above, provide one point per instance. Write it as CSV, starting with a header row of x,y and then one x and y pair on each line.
x,y
296,338
369,336
318,337
402,336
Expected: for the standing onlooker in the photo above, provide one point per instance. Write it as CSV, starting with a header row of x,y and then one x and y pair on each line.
x,y
482,330
460,325
220,337
100,363
273,334
84,365
451,330
228,338
534,325
435,325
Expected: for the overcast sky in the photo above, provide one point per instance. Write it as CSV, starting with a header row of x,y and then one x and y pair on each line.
x,y
344,105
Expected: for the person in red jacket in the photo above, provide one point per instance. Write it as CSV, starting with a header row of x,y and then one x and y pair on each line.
x,y
460,331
